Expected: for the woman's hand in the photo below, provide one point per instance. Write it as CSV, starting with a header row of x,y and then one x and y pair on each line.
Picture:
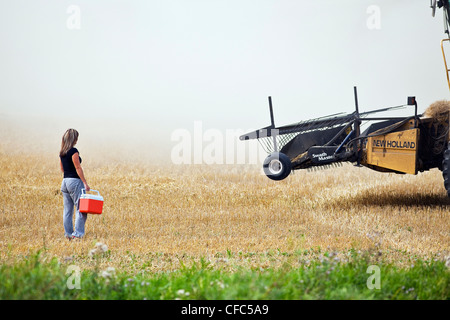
x,y
86,187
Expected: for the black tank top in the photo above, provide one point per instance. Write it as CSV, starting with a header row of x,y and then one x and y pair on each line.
x,y
68,166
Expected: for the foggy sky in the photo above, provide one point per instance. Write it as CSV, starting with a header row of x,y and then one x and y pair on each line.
x,y
142,69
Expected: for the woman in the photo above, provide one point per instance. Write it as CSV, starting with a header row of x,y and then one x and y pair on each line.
x,y
73,182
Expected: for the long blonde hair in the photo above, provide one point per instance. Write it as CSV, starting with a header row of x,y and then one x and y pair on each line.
x,y
69,139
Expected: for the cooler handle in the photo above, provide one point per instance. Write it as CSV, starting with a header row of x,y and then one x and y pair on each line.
x,y
83,191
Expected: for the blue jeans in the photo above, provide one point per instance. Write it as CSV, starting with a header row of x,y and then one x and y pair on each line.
x,y
71,190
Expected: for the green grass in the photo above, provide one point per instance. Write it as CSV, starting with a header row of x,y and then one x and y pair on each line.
x,y
326,278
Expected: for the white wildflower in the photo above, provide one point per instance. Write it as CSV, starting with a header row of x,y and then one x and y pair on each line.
x,y
110,272
111,269
182,292
98,249
106,274
218,283
101,247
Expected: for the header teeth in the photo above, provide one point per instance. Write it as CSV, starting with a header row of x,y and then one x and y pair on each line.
x,y
325,166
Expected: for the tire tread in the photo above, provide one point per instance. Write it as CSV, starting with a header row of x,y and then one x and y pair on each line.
x,y
446,170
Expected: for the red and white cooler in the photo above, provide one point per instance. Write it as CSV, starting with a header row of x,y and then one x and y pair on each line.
x,y
90,203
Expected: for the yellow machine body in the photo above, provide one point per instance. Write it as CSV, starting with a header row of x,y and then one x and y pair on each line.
x,y
395,151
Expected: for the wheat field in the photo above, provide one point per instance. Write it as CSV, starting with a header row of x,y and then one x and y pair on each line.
x,y
156,217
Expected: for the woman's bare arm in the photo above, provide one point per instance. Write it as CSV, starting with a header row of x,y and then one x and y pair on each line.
x,y
76,163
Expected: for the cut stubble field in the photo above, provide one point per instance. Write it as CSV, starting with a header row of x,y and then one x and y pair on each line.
x,y
158,217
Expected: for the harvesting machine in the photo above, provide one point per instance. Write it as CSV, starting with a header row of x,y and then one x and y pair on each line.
x,y
409,144
405,145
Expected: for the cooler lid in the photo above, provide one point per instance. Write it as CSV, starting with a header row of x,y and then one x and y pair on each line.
x,y
91,196
85,195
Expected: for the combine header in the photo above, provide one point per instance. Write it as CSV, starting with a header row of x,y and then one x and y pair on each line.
x,y
388,144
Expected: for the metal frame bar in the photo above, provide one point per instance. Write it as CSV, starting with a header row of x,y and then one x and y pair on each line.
x,y
272,121
445,61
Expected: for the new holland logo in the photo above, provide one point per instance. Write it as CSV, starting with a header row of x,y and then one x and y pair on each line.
x,y
394,144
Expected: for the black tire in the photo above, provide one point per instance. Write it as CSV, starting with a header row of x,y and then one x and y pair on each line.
x,y
277,166
446,170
